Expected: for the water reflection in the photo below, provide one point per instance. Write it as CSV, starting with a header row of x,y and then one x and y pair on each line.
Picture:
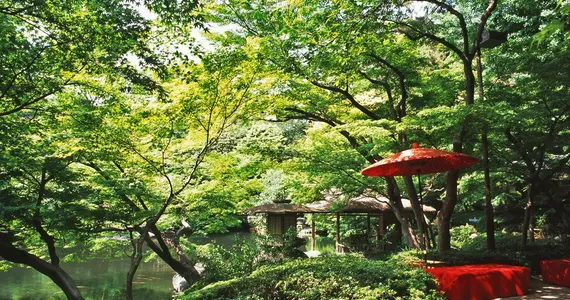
x,y
96,280
102,279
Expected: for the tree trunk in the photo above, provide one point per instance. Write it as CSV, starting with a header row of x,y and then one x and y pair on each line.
x,y
480,74
398,231
408,232
183,267
469,82
528,211
451,178
135,262
531,231
444,216
489,215
398,209
136,259
55,273
416,207
431,234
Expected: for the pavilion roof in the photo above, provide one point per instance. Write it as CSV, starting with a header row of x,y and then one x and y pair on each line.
x,y
364,203
281,208
367,202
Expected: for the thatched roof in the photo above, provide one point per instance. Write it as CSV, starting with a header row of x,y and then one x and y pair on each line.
x,y
280,208
367,202
362,204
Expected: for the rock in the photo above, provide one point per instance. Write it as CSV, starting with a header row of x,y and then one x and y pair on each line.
x,y
199,268
180,284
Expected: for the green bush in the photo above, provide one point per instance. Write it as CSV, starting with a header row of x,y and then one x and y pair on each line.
x,y
335,277
221,263
503,242
407,257
244,257
461,235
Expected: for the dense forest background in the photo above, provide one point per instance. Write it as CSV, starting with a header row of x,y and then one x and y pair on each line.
x,y
151,120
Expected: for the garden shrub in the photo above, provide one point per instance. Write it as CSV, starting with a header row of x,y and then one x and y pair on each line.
x,y
407,257
503,242
334,277
461,235
244,257
222,263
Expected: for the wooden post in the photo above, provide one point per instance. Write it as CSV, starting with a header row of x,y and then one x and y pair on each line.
x,y
313,232
337,231
381,224
368,226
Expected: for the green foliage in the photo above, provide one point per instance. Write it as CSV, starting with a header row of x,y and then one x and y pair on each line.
x,y
558,24
107,121
246,256
224,264
461,235
335,277
47,46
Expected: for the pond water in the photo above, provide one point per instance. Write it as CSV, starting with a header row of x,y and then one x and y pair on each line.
x,y
97,279
101,279
105,279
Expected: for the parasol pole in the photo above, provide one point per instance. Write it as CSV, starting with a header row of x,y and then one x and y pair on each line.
x,y
422,213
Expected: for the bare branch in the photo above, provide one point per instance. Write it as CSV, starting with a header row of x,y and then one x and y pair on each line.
x,y
312,116
124,197
388,90
421,34
348,96
518,147
41,97
462,24
37,221
481,26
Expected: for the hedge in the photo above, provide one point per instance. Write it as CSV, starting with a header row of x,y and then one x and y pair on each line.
x,y
334,277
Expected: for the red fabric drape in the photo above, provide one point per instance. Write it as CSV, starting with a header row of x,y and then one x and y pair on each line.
x,y
556,271
479,282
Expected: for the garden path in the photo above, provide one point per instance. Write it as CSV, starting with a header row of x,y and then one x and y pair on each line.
x,y
542,290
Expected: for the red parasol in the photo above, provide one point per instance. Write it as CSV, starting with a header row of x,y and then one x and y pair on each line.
x,y
418,161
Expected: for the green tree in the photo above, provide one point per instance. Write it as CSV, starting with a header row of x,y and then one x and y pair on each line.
x,y
338,66
47,45
42,200
56,57
534,124
151,153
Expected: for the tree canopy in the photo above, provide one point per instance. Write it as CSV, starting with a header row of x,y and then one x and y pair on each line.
x,y
117,121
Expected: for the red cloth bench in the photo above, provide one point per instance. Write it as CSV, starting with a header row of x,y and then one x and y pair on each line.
x,y
556,271
479,282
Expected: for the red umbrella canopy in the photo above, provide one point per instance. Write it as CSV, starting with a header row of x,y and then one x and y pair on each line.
x,y
420,161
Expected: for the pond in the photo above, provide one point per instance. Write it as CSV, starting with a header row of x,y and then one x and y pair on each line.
x,y
97,279
101,279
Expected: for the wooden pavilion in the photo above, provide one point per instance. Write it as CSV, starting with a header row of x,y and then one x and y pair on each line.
x,y
282,216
